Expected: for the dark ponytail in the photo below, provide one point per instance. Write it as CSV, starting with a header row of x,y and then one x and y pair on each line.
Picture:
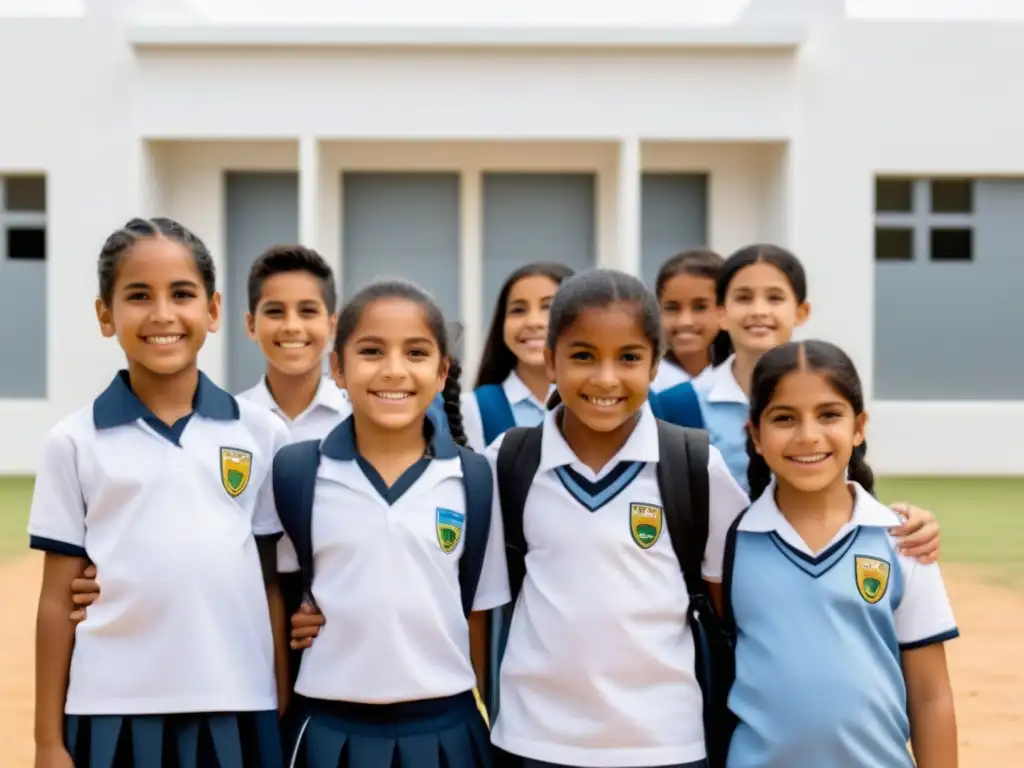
x,y
814,356
453,401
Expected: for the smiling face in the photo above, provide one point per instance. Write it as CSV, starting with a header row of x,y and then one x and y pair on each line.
x,y
689,318
159,310
526,318
808,431
603,365
291,323
391,364
761,309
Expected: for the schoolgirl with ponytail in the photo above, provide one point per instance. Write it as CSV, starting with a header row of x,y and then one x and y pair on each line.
x,y
825,606
397,507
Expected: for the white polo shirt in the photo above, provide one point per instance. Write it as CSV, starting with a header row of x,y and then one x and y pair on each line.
x,y
599,667
387,581
329,408
670,374
169,515
527,410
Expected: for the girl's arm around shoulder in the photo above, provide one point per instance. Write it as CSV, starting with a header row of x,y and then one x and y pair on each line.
x,y
924,623
54,643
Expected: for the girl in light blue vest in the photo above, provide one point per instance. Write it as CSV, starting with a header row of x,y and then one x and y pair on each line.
x,y
840,657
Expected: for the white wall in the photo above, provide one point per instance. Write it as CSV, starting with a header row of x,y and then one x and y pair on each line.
x,y
792,142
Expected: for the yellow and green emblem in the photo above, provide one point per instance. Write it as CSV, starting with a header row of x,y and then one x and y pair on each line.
x,y
449,528
235,468
645,522
872,578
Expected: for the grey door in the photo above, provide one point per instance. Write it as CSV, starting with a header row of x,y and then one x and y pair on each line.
x,y
23,256
535,217
402,225
948,279
262,210
673,218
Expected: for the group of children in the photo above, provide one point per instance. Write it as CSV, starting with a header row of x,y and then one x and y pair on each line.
x,y
425,511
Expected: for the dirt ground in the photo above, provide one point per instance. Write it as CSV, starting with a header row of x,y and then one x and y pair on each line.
x,y
987,667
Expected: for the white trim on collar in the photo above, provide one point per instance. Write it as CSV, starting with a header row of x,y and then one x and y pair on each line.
x,y
721,385
764,515
642,444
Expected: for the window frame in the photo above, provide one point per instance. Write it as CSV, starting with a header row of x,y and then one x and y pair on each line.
x,y
922,221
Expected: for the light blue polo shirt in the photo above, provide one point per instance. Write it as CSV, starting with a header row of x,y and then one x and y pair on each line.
x,y
725,409
819,681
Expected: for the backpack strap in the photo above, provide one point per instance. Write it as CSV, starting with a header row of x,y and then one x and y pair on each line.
x,y
678,405
518,461
478,483
683,480
294,479
436,408
728,619
495,411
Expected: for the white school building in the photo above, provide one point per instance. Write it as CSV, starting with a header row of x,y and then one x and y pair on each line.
x,y
451,141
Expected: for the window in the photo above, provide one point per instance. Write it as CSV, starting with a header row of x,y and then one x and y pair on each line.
x,y
924,219
23,327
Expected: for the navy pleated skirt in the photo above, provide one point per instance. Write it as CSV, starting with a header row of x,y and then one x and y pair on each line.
x,y
217,740
434,733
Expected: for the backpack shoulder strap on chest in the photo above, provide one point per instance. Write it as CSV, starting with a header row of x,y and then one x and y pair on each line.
x,y
683,480
294,480
679,405
479,488
495,411
729,561
518,461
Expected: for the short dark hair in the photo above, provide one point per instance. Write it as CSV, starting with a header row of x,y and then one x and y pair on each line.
x,y
121,241
278,259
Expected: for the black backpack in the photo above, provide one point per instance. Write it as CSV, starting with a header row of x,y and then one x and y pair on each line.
x,y
683,482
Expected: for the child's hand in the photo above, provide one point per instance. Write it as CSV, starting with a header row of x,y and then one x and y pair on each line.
x,y
306,625
919,535
84,591
53,757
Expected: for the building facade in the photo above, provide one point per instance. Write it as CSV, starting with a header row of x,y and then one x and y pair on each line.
x,y
886,155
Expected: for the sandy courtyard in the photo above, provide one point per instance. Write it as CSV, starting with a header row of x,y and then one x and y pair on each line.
x,y
987,667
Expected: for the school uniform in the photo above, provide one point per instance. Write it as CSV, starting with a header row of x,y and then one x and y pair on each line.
x,y
512,404
388,682
176,658
672,374
818,676
599,666
725,409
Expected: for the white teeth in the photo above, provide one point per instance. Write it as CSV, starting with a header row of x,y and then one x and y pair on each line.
x,y
603,402
291,344
393,395
161,340
810,459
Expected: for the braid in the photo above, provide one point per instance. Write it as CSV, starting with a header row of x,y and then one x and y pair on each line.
x,y
452,401
758,473
859,471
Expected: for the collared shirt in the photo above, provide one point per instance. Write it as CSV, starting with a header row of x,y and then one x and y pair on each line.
x,y
169,515
387,580
671,374
599,667
527,410
725,408
330,407
828,629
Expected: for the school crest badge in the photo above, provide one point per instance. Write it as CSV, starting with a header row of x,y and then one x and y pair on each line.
x,y
449,528
235,468
645,522
872,578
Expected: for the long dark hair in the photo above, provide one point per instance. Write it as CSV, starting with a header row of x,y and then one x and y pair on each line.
x,y
595,289
401,289
498,360
779,258
699,262
818,357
